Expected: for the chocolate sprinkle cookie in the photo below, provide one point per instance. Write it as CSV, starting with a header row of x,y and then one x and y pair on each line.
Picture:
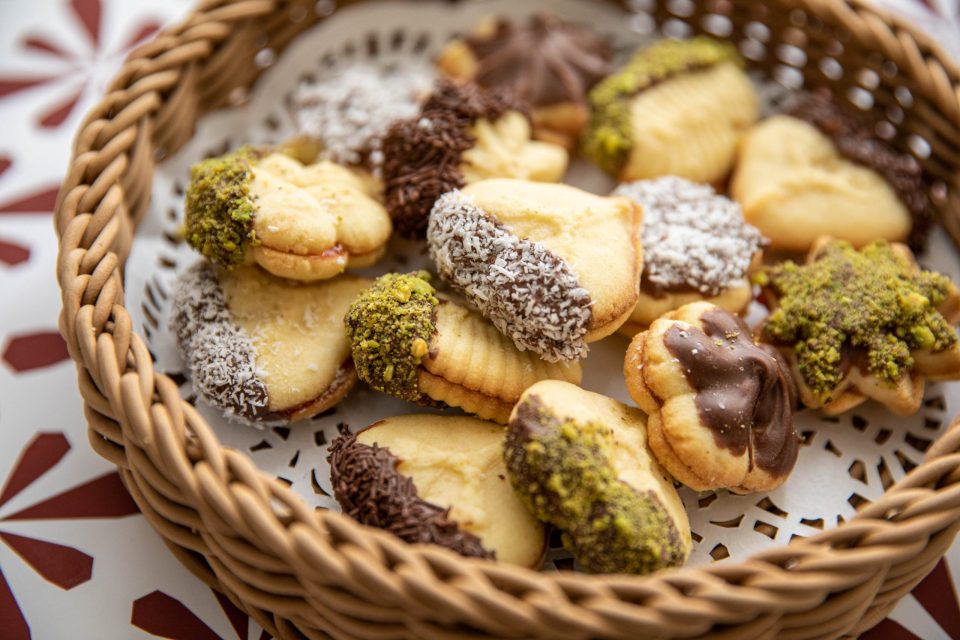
x,y
370,490
422,154
528,292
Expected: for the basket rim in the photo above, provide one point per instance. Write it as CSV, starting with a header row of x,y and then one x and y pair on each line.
x,y
120,384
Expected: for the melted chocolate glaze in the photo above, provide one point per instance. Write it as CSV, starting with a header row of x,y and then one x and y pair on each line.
x,y
745,394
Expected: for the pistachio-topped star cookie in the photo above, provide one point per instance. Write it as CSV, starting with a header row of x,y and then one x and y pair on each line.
x,y
862,324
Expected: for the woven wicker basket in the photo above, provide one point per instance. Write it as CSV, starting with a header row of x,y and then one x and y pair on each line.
x,y
304,573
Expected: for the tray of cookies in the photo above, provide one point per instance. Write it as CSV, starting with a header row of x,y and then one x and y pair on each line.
x,y
545,293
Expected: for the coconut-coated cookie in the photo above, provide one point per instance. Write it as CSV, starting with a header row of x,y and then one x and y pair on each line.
x,y
436,479
679,107
862,324
579,461
300,222
462,134
720,406
553,267
546,61
411,343
260,348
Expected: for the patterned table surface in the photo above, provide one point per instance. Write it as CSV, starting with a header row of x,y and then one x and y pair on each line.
x,y
76,558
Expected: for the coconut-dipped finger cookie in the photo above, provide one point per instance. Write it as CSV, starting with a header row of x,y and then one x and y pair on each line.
x,y
436,479
679,107
553,267
696,247
462,134
862,324
299,222
579,461
720,406
262,349
411,343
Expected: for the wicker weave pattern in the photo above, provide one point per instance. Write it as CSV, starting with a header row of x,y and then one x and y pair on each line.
x,y
304,573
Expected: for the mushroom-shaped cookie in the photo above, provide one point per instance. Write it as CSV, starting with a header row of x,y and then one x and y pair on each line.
x,y
720,406
821,171
262,349
862,324
438,480
462,134
679,107
412,344
696,247
548,62
579,461
553,267
299,222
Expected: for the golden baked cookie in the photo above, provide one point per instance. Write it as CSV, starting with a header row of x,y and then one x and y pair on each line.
x,y
547,62
862,324
720,406
553,267
696,247
436,479
299,222
462,134
263,349
411,343
679,107
579,461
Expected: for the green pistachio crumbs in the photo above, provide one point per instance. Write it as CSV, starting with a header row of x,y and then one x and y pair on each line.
x,y
609,137
868,300
562,471
389,327
219,210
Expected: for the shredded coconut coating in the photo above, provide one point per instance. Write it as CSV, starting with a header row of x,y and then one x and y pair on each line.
x,y
220,356
529,293
692,237
350,111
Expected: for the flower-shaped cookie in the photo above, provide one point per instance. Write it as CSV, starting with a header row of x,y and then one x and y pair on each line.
x,y
299,222
862,324
720,406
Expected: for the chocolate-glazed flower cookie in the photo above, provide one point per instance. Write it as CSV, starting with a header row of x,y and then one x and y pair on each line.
x,y
553,267
436,479
262,349
862,324
462,134
823,171
720,406
546,61
677,108
696,246
413,344
579,461
299,222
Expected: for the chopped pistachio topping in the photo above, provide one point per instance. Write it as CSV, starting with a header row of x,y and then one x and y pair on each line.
x,y
609,137
563,472
219,210
869,301
389,327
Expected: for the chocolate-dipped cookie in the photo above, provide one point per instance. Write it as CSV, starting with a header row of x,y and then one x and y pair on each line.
x,y
299,222
821,170
720,406
553,267
261,349
696,247
462,134
579,461
438,480
679,107
862,324
411,343
548,62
